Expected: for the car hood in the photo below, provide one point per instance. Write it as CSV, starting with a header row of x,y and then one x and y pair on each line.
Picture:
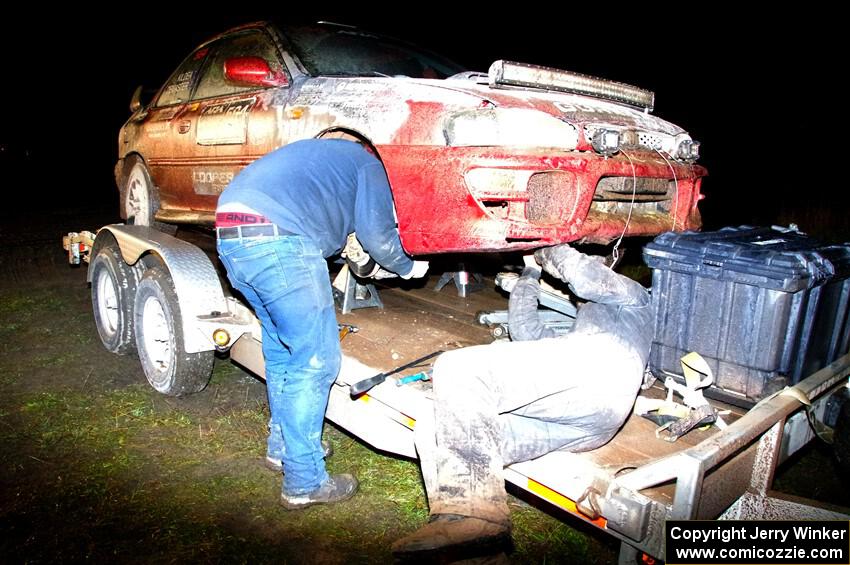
x,y
576,109
412,111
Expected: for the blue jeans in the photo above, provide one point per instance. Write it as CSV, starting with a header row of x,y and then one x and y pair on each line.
x,y
285,279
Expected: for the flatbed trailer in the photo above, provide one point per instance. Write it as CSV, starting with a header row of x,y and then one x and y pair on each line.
x,y
627,488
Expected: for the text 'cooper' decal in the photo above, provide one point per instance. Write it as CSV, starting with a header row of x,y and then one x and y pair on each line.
x,y
211,181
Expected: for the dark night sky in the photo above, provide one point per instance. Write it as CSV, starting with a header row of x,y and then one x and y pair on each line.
x,y
755,89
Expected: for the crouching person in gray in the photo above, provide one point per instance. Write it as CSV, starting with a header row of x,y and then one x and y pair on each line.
x,y
507,402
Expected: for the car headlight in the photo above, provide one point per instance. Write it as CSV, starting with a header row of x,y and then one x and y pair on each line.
x,y
516,127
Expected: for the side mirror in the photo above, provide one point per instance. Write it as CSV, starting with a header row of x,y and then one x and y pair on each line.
x,y
136,100
252,71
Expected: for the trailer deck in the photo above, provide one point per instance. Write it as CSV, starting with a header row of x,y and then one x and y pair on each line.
x,y
627,488
595,485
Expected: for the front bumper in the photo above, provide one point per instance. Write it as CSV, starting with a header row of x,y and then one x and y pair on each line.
x,y
469,199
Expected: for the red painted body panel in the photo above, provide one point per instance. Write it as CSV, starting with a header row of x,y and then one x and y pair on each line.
x,y
438,212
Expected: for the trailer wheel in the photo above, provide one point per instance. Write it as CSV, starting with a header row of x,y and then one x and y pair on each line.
x,y
841,444
159,339
113,289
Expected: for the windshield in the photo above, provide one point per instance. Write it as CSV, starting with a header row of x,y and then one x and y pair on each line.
x,y
341,51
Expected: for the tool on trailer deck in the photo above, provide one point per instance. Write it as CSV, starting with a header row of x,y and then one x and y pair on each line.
x,y
345,329
421,376
362,386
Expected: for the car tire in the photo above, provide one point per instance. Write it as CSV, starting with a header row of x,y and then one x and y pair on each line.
x,y
159,339
141,197
113,291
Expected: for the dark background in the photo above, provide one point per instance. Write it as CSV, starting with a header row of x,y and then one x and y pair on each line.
x,y
760,90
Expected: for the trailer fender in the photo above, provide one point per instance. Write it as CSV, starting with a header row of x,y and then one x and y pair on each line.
x,y
195,279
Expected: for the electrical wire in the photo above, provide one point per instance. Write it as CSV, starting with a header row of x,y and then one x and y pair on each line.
x,y
615,253
676,183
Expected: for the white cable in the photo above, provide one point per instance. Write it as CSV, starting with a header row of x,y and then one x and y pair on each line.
x,y
615,253
675,183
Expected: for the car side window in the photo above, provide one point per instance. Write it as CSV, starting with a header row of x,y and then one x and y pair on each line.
x,y
247,44
179,86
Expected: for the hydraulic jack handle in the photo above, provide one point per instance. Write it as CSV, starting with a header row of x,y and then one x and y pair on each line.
x,y
360,387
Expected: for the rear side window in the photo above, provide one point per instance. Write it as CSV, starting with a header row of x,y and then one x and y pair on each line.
x,y
247,44
179,86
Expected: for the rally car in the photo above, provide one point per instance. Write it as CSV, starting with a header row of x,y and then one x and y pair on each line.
x,y
515,158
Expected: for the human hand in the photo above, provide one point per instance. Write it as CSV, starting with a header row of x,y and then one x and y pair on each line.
x,y
418,271
556,260
381,273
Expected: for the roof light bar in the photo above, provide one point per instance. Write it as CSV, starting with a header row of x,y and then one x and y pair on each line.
x,y
520,74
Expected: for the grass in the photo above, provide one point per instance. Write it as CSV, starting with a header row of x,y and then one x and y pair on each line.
x,y
130,449
98,466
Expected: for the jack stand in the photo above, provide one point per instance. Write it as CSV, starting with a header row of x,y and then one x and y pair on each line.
x,y
461,279
353,294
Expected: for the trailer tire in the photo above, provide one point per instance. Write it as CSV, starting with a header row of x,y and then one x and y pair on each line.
x,y
113,291
159,339
841,443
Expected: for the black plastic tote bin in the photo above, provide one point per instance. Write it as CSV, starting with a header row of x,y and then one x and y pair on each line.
x,y
765,307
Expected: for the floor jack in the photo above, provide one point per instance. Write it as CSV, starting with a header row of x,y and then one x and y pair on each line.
x,y
559,314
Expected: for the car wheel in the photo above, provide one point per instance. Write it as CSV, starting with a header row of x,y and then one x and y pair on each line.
x,y
159,339
141,198
113,290
140,203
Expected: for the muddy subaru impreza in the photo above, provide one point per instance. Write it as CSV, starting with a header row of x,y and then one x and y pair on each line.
x,y
515,158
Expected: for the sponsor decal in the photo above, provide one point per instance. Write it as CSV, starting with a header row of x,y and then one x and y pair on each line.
x,y
234,107
224,123
181,83
211,181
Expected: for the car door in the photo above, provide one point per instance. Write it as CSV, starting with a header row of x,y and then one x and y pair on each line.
x,y
232,124
166,141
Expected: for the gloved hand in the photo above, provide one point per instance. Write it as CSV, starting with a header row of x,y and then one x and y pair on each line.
x,y
381,273
418,271
559,260
360,263
353,251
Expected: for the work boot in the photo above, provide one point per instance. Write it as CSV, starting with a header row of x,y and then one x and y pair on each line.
x,y
451,532
336,489
275,465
